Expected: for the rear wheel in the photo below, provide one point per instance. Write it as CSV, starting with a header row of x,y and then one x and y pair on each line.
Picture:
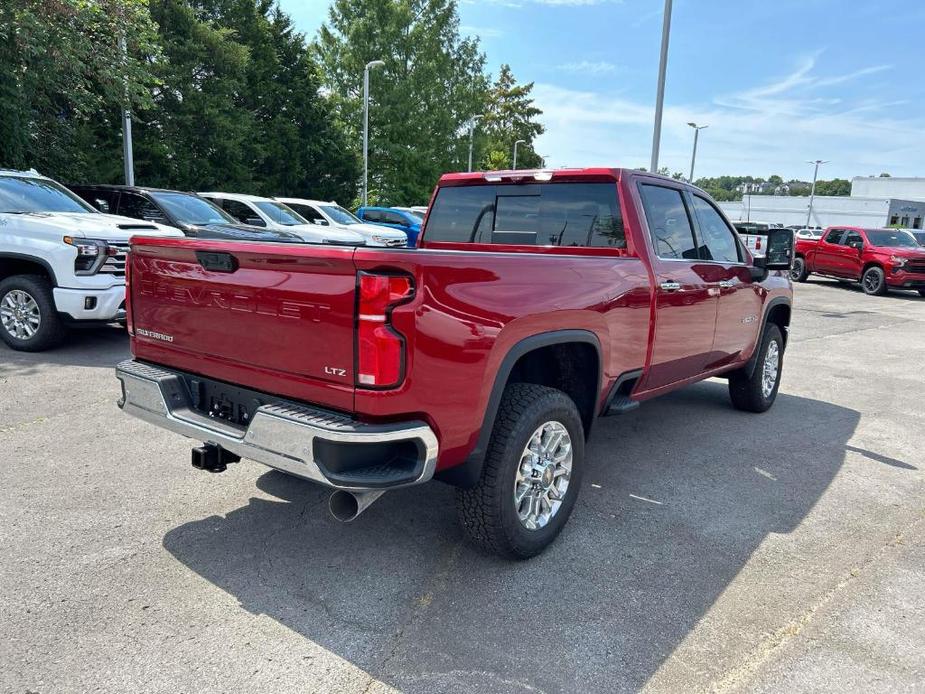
x,y
873,281
798,271
531,475
756,393
29,321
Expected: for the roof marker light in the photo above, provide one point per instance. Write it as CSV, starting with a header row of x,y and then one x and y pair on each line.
x,y
493,178
543,175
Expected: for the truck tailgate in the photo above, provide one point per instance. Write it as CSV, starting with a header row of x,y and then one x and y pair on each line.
x,y
272,317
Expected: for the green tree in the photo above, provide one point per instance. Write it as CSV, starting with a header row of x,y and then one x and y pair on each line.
x,y
64,78
422,100
510,115
837,186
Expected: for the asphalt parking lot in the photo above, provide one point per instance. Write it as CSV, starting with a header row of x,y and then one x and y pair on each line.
x,y
710,549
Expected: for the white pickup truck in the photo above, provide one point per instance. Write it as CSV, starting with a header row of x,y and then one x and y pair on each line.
x,y
61,261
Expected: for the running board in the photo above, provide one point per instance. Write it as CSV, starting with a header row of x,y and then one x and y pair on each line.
x,y
621,404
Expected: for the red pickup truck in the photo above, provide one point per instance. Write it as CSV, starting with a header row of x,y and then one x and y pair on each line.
x,y
879,259
534,302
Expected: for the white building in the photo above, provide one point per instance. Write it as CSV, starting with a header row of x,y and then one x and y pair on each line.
x,y
888,187
829,210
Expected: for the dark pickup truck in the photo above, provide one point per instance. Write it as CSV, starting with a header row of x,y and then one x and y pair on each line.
x,y
535,302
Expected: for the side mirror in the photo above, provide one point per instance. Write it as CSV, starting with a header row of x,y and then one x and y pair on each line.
x,y
254,222
858,245
779,253
320,222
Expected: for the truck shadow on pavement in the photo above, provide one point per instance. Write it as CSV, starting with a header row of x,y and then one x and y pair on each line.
x,y
676,498
98,346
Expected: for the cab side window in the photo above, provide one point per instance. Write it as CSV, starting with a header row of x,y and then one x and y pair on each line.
x,y
835,236
242,213
669,225
719,243
307,211
139,207
853,237
393,218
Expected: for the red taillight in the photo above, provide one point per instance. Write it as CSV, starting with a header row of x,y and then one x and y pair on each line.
x,y
129,323
380,350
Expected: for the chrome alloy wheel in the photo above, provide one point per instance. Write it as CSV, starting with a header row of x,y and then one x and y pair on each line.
x,y
20,314
770,369
796,270
543,475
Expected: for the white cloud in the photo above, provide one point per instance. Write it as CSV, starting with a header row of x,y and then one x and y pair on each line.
x,y
769,128
598,67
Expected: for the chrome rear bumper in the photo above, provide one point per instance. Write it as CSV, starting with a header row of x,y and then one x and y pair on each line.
x,y
287,436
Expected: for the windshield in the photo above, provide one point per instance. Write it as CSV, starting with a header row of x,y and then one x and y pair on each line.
x,y
19,195
191,209
417,215
339,214
891,238
280,214
919,236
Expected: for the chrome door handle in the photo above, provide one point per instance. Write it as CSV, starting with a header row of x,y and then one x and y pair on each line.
x,y
726,284
670,286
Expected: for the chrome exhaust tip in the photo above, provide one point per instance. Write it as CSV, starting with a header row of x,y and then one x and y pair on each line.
x,y
346,506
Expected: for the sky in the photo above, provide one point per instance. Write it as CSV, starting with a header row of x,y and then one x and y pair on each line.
x,y
778,82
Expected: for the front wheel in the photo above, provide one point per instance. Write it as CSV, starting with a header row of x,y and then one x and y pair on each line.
x,y
29,321
756,393
873,281
531,475
798,271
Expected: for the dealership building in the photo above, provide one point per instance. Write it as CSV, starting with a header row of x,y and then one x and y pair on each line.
x,y
874,202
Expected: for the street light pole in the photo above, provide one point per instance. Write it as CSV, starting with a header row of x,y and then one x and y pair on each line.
x,y
128,159
660,94
697,129
370,64
518,142
812,192
472,123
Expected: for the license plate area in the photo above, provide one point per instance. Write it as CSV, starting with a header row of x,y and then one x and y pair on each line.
x,y
222,401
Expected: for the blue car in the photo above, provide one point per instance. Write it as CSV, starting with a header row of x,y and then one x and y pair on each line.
x,y
406,220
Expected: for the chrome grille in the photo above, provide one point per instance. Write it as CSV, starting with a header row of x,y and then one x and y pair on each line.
x,y
916,266
115,264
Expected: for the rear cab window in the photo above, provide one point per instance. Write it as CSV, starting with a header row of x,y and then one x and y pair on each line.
x,y
556,214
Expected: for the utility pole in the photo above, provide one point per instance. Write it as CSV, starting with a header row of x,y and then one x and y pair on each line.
x,y
518,142
812,192
660,94
472,123
128,159
697,129
370,64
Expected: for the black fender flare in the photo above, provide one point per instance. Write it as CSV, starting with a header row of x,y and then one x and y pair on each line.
x,y
33,259
467,473
749,368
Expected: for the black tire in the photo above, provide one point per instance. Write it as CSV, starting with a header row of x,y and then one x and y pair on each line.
x,y
50,330
798,272
873,281
487,511
747,392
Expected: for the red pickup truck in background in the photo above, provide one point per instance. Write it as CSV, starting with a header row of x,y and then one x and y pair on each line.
x,y
879,259
534,302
